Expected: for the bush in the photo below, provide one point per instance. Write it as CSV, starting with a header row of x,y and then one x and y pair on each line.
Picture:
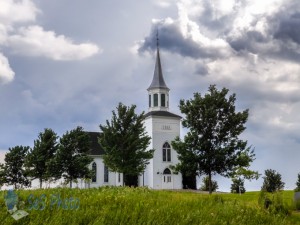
x,y
298,184
205,185
237,186
272,181
273,202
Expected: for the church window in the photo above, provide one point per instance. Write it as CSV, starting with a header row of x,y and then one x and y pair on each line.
x,y
163,100
119,177
105,173
94,171
166,152
167,101
149,101
155,100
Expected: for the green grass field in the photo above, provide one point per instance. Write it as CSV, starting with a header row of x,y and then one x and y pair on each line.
x,y
142,206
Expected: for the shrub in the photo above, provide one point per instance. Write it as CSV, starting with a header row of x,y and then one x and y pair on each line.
x,y
272,181
205,184
237,186
273,202
298,183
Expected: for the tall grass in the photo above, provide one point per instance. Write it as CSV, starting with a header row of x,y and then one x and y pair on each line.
x,y
109,205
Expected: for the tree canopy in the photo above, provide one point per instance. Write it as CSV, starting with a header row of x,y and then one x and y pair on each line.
x,y
13,170
237,186
212,142
272,181
298,183
125,143
72,158
37,159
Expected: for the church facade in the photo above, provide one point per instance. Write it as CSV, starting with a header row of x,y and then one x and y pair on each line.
x,y
162,126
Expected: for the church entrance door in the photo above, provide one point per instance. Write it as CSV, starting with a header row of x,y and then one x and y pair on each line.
x,y
167,179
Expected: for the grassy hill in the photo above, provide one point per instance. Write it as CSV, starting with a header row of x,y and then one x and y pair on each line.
x,y
143,206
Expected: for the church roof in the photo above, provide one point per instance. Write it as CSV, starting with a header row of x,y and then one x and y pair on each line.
x,y
162,114
158,79
96,148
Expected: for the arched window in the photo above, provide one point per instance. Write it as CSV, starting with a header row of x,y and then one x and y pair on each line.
x,y
105,173
167,171
163,100
94,171
166,152
155,100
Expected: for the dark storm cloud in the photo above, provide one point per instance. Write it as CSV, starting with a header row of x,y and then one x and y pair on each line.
x,y
248,42
288,28
281,39
172,39
278,38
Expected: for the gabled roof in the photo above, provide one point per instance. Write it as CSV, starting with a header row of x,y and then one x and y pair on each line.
x,y
96,148
162,114
158,79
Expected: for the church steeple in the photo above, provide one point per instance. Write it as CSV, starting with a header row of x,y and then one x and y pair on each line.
x,y
158,90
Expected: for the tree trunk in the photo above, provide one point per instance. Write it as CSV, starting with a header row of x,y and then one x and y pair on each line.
x,y
131,180
209,183
41,183
70,183
189,181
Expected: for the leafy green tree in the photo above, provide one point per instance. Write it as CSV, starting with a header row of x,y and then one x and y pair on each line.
x,y
188,169
37,160
2,175
125,143
298,183
13,169
272,181
237,186
72,157
213,137
205,184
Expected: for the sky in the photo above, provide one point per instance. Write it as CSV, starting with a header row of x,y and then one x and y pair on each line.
x,y
68,63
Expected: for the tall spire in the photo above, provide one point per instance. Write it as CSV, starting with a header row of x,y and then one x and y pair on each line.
x,y
158,79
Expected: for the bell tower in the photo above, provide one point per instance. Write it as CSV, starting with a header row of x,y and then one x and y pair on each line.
x,y
163,127
158,91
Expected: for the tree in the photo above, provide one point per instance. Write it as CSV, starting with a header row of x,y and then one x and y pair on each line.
x,y
298,183
72,158
237,186
13,170
2,175
205,185
238,178
272,181
37,160
125,143
213,137
188,169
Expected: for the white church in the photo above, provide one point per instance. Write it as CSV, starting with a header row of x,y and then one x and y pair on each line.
x,y
162,126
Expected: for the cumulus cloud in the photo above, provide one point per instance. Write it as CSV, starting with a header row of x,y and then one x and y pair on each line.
x,y
12,11
35,41
218,29
20,33
6,73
